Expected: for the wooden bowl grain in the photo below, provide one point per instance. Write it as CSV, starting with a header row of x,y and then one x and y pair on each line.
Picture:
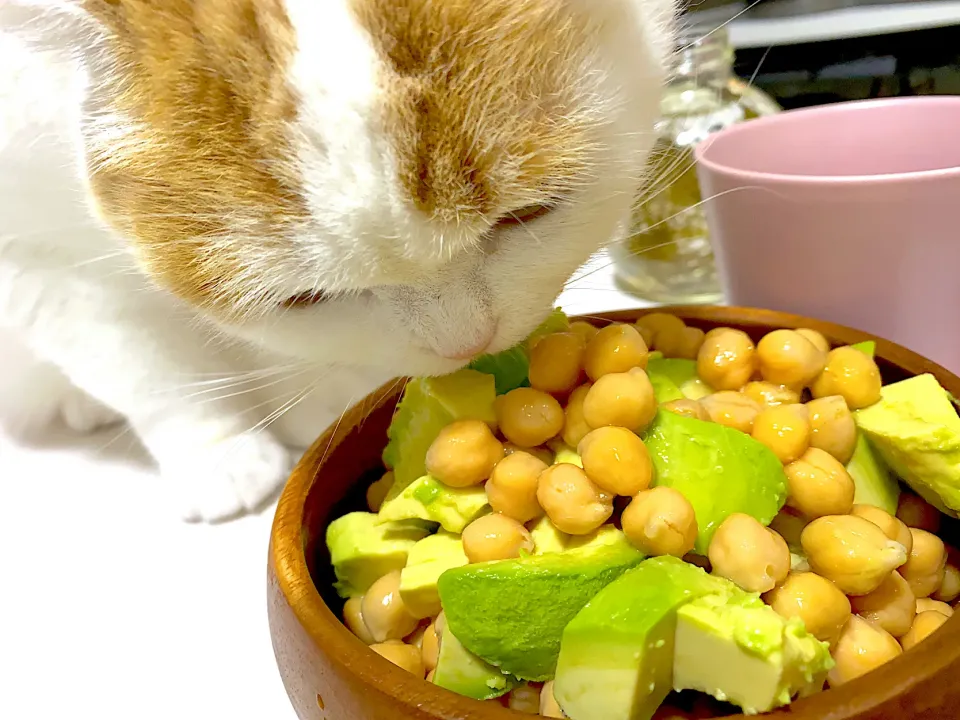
x,y
330,675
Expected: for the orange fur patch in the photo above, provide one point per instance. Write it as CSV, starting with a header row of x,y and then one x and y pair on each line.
x,y
482,99
201,95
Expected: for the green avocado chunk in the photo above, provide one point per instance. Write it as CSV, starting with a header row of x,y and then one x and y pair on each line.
x,y
867,346
429,499
512,613
720,470
875,485
664,389
916,431
547,537
363,549
426,562
462,672
563,453
682,373
616,656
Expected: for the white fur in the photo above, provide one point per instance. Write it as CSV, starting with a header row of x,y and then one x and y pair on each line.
x,y
225,409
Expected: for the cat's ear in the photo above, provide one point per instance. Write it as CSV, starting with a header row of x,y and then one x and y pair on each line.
x,y
65,27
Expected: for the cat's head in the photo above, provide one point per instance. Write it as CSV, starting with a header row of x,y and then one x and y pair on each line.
x,y
404,183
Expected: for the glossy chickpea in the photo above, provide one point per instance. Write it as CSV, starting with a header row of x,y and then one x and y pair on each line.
x,y
788,358
928,604
384,612
574,424
816,338
525,698
732,409
584,330
950,587
556,362
430,648
891,526
662,327
464,454
616,460
727,359
402,655
621,399
818,485
851,552
512,488
745,552
660,521
924,625
823,609
614,349
851,374
768,395
832,427
495,537
916,512
571,500
785,430
528,417
543,454
686,408
549,707
377,492
926,566
789,524
891,606
684,344
862,647
353,619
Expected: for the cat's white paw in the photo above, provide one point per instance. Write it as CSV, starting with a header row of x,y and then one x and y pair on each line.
x,y
230,478
84,414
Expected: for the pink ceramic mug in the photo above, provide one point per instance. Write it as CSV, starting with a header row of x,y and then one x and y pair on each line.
x,y
849,213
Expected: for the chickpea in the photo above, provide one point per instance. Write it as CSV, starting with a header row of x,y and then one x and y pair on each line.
x,y
788,358
549,707
525,698
686,408
616,460
684,344
571,500
891,606
440,624
928,604
622,399
555,363
661,325
832,427
512,488
752,556
851,374
614,349
377,491
584,330
851,552
353,619
544,455
495,537
731,409
789,524
926,566
430,648
891,526
402,655
768,395
528,417
819,485
816,338
574,425
660,521
823,609
464,454
416,637
384,611
916,512
727,359
862,647
784,430
950,587
925,624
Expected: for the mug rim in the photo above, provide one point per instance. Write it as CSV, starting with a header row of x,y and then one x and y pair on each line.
x,y
703,160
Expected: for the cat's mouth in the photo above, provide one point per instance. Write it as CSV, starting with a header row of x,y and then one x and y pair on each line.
x,y
308,298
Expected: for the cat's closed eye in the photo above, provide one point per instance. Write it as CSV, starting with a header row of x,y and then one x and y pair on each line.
x,y
525,214
308,298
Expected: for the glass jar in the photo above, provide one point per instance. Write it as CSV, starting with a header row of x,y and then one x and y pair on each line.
x,y
666,256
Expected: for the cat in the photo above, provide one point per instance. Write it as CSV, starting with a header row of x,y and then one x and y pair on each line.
x,y
224,221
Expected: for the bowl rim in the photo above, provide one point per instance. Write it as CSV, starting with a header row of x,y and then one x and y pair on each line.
x,y
326,631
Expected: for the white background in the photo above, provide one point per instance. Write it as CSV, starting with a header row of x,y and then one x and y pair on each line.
x,y
111,608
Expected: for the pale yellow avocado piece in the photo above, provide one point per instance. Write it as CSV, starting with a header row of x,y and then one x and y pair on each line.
x,y
547,537
429,499
426,562
563,453
916,431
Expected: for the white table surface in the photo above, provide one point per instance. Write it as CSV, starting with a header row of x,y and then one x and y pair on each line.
x,y
113,609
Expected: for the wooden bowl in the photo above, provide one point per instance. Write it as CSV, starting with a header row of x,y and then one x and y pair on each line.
x,y
331,675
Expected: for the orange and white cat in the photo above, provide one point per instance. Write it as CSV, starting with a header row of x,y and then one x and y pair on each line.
x,y
225,220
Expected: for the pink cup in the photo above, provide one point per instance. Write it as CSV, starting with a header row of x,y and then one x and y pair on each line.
x,y
849,213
